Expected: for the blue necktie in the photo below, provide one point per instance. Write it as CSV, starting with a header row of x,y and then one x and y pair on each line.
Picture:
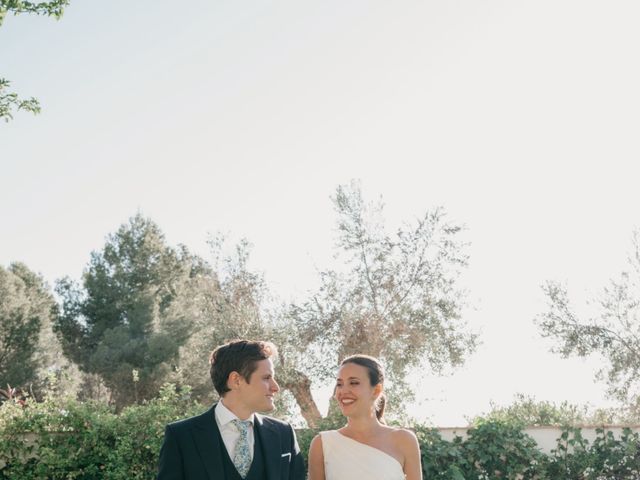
x,y
242,455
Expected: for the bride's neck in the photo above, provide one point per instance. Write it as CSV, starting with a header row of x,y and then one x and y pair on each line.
x,y
362,425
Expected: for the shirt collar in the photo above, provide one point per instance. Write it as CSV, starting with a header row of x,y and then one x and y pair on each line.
x,y
224,415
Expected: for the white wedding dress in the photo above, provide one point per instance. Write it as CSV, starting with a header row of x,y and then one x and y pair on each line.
x,y
346,459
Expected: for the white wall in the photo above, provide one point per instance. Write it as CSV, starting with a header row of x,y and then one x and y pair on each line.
x,y
545,437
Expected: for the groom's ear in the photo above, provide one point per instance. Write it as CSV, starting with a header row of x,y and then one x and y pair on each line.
x,y
233,381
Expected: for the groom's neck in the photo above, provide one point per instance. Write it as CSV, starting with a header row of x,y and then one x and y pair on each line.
x,y
236,406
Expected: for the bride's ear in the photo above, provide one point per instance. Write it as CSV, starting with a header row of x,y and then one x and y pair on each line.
x,y
377,390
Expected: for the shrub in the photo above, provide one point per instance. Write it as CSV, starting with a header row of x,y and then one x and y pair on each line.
x,y
441,460
501,450
607,459
67,439
496,450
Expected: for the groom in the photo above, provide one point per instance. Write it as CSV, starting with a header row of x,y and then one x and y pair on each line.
x,y
231,441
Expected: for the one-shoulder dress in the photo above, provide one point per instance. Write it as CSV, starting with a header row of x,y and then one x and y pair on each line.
x,y
345,458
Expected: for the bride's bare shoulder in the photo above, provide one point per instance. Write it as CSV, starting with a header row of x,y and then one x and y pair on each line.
x,y
404,437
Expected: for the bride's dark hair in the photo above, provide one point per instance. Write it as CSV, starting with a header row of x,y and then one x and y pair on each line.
x,y
376,376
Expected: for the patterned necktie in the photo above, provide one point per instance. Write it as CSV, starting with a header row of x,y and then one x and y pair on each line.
x,y
242,456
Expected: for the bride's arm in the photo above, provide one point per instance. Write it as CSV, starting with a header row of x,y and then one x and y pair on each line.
x,y
316,459
411,450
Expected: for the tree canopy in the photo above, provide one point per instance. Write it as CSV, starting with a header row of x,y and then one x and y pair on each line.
x,y
527,411
26,307
125,322
395,297
223,306
612,332
145,313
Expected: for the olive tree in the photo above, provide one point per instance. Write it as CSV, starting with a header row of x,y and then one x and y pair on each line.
x,y
612,332
395,295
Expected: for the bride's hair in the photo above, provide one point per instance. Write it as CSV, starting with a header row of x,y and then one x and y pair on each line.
x,y
376,376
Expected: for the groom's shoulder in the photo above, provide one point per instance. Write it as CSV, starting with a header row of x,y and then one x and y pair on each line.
x,y
274,422
186,423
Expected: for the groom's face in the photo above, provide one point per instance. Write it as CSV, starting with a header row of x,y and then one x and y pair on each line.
x,y
257,394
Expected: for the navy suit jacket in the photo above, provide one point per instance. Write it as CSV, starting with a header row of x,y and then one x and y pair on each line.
x,y
192,450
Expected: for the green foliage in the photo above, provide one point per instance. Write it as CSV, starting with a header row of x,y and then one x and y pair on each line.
x,y
607,458
223,307
492,450
441,460
527,411
498,450
612,332
495,450
132,312
61,438
9,101
145,313
395,296
54,439
304,437
26,306
54,8
139,431
65,439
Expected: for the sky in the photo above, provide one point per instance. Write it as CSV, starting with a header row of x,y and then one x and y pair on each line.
x,y
519,118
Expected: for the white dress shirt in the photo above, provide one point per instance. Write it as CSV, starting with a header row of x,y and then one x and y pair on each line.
x,y
228,430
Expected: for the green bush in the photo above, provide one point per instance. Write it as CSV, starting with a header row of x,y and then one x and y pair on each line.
x,y
495,450
490,451
441,460
607,459
66,439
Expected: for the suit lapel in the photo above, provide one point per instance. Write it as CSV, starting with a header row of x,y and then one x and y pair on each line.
x,y
207,440
270,446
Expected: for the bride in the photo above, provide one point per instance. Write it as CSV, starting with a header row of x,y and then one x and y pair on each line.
x,y
365,448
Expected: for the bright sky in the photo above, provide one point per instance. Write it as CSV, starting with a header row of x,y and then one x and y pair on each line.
x,y
520,118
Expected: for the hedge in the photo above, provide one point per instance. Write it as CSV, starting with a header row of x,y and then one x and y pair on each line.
x,y
66,439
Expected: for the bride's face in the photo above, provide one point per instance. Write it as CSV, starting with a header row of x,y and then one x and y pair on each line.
x,y
354,392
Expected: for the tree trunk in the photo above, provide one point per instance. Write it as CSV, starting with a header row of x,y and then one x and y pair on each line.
x,y
300,387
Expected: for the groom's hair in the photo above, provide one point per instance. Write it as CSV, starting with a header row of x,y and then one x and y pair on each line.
x,y
239,356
